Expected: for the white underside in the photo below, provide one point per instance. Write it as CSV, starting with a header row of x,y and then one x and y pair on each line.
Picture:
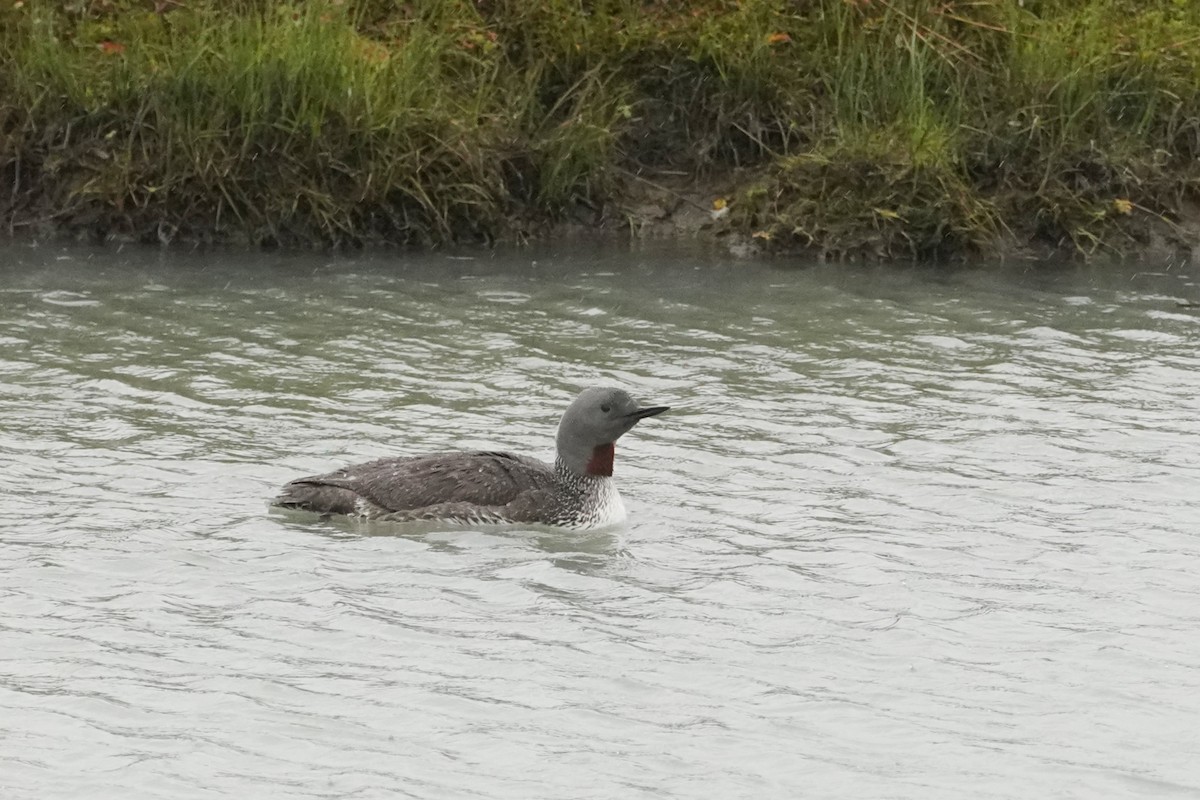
x,y
608,509
603,508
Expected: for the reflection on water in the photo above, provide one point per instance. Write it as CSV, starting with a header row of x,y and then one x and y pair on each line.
x,y
905,533
580,548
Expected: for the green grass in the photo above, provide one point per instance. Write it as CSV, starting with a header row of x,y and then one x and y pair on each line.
x,y
889,128
285,126
949,126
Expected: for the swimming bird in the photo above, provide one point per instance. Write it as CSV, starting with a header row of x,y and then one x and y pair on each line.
x,y
491,487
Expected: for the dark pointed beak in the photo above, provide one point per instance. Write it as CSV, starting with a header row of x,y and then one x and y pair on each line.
x,y
642,413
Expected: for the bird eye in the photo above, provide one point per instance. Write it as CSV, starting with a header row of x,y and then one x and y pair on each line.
x,y
606,408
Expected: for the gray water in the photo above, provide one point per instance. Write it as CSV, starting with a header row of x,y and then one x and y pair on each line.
x,y
905,534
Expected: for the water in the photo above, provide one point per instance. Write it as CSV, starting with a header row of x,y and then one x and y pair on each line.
x,y
905,534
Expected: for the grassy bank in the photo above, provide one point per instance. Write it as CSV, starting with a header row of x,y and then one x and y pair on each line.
x,y
894,128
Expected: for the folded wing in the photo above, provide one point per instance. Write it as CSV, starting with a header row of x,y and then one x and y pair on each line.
x,y
483,479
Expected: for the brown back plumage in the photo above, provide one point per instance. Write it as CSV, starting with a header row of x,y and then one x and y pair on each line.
x,y
482,479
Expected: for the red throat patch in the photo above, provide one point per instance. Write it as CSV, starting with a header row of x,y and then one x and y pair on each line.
x,y
601,462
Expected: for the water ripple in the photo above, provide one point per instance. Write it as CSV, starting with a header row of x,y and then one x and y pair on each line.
x,y
903,535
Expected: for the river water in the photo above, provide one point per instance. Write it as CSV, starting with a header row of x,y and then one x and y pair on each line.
x,y
905,533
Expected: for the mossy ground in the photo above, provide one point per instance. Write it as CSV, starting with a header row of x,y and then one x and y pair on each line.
x,y
881,128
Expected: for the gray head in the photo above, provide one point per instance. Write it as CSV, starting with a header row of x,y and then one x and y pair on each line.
x,y
597,418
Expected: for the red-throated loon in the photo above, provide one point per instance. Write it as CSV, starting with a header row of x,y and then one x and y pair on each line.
x,y
491,487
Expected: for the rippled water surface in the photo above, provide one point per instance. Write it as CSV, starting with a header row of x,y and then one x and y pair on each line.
x,y
905,534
